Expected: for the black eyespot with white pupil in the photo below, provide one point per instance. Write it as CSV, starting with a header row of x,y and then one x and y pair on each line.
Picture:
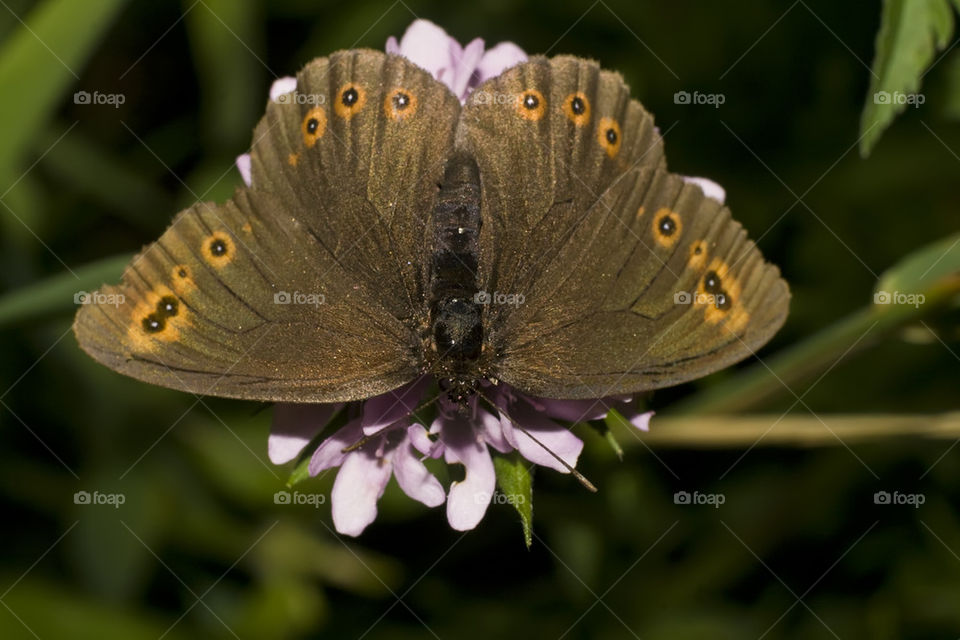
x,y
401,101
611,135
312,125
711,283
218,248
578,106
153,323
349,97
530,102
667,226
168,306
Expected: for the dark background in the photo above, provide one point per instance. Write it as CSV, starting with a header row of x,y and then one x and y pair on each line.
x,y
799,549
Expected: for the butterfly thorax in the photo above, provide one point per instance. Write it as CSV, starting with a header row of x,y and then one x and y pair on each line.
x,y
455,311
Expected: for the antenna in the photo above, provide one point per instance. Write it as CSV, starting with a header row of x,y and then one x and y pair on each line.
x,y
576,474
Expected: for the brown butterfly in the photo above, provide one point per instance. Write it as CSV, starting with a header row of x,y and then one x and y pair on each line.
x,y
533,236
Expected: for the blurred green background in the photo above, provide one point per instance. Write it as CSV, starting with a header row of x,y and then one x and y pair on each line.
x,y
799,549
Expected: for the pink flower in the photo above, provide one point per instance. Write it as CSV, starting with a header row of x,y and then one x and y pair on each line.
x,y
391,438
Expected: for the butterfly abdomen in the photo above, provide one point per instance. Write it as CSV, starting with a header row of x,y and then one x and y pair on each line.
x,y
455,312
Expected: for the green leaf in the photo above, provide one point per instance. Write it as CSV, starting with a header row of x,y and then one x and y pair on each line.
x,y
56,293
930,267
516,483
612,418
911,33
38,65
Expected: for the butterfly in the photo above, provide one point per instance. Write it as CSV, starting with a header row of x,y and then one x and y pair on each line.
x,y
532,237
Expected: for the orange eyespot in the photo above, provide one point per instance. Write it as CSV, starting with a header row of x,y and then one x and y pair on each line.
x,y
698,255
158,316
576,106
218,249
719,292
531,105
667,227
400,104
313,126
350,100
608,135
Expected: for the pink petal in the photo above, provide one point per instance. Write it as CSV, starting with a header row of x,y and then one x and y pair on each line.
x,y
359,484
553,436
469,498
422,442
330,452
710,188
243,166
642,420
497,60
464,66
492,430
282,86
414,478
427,46
294,425
383,410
